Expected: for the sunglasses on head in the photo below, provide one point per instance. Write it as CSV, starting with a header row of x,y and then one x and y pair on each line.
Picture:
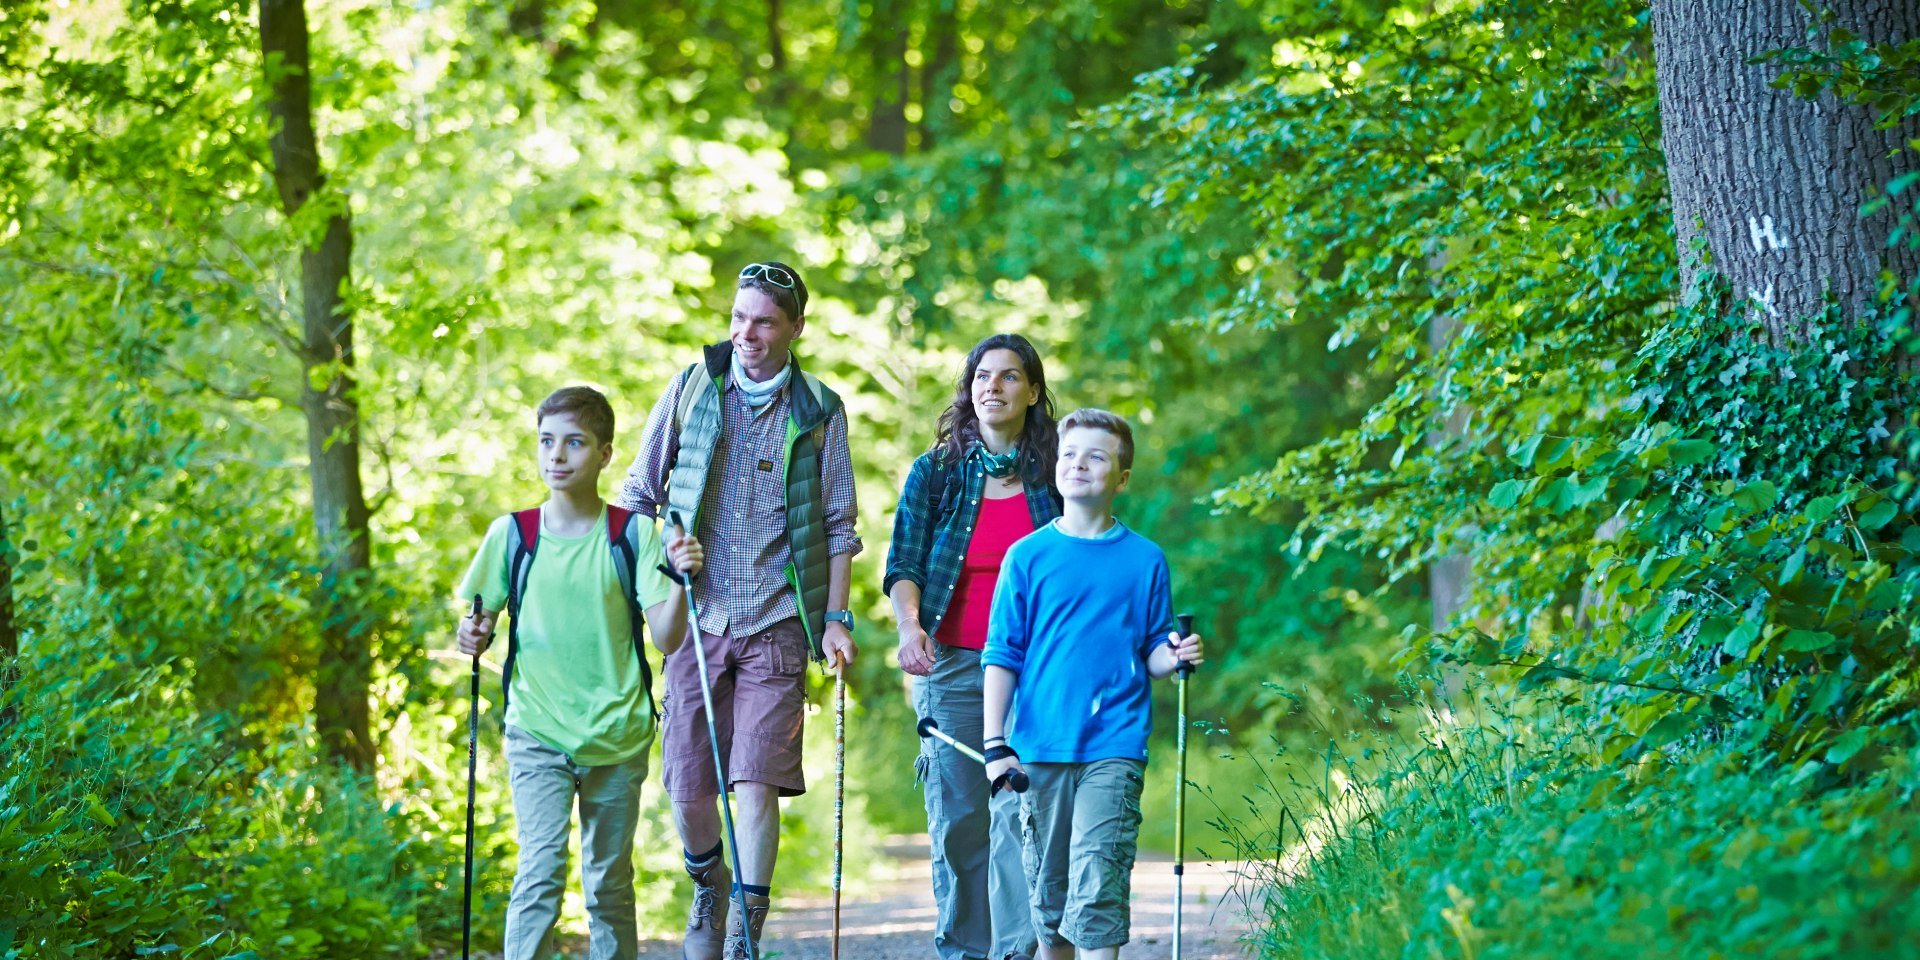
x,y
771,274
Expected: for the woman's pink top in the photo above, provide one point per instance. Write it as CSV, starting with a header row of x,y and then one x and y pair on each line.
x,y
1001,523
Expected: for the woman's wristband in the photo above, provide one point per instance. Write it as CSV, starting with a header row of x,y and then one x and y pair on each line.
x,y
1001,752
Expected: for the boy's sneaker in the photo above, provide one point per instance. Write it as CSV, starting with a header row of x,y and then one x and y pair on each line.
x,y
756,918
708,916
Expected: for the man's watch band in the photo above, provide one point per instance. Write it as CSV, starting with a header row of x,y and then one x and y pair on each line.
x,y
841,616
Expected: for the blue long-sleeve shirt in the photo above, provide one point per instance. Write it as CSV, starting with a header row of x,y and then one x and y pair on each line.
x,y
1076,619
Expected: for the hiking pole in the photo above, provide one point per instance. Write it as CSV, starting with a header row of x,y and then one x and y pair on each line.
x,y
473,752
719,767
1017,779
1181,672
839,793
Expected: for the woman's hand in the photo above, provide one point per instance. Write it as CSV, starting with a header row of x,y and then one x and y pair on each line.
x,y
916,649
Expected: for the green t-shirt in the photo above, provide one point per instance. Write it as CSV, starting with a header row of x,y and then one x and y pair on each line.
x,y
576,677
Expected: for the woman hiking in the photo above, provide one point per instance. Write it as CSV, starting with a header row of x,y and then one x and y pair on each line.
x,y
987,482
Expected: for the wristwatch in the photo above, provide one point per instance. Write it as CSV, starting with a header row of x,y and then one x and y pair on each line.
x,y
841,616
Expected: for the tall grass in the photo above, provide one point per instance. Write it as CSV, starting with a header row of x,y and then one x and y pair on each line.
x,y
1490,832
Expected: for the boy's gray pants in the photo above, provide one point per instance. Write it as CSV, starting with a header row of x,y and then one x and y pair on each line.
x,y
545,785
977,877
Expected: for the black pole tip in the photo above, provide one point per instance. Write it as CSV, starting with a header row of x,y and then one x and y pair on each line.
x,y
927,726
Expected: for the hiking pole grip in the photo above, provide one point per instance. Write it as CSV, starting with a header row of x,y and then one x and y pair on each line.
x,y
1186,630
686,579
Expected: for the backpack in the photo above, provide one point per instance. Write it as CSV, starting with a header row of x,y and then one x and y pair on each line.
x,y
523,540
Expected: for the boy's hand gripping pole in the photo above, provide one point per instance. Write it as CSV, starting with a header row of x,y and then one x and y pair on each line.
x,y
1016,778
719,766
473,751
1181,671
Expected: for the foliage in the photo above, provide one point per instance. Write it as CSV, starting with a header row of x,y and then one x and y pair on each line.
x,y
1379,284
133,828
1496,833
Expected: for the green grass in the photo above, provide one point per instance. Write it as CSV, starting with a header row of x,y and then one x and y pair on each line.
x,y
1498,840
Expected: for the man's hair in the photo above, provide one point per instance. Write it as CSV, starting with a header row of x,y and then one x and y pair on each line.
x,y
1095,419
588,406
794,301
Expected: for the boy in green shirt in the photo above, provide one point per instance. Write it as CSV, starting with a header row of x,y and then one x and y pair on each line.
x,y
579,713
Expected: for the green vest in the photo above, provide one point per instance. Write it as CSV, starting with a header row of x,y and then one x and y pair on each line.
x,y
809,404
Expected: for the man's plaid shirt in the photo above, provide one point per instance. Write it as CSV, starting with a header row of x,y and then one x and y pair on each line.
x,y
743,523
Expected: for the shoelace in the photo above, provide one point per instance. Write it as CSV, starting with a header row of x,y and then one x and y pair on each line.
x,y
703,897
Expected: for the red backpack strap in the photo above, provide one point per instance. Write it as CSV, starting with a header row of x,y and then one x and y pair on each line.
x,y
528,521
617,517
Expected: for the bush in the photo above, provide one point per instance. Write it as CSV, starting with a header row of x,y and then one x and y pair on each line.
x,y
131,826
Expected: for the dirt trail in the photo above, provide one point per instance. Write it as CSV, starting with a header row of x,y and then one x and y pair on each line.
x,y
900,923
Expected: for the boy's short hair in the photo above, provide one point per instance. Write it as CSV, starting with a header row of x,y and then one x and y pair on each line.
x,y
1096,419
588,406
793,301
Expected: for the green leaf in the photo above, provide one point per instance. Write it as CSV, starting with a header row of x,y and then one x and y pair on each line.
x,y
1879,516
1756,496
1506,493
1807,641
1686,453
1849,744
1522,453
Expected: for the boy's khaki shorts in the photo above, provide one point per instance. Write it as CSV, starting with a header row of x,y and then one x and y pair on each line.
x,y
759,697
1079,826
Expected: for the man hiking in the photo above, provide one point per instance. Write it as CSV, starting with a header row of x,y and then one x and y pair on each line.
x,y
752,453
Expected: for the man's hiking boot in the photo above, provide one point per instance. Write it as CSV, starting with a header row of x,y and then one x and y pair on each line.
x,y
708,916
756,918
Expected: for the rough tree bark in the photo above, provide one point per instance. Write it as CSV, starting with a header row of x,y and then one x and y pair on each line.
x,y
333,418
1772,182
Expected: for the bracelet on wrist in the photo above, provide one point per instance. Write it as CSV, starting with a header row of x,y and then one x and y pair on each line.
x,y
1001,752
990,741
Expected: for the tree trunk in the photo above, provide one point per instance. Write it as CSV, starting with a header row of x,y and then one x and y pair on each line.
x,y
936,73
777,51
1451,572
1773,183
9,632
341,687
886,37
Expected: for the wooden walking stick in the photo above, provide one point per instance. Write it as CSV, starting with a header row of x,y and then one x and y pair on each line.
x,y
839,794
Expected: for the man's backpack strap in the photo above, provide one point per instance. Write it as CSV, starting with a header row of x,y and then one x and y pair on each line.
x,y
523,538
623,532
688,394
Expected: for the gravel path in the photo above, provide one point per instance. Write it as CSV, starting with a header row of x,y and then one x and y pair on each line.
x,y
900,925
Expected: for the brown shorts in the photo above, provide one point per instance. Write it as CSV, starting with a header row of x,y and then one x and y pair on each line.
x,y
759,699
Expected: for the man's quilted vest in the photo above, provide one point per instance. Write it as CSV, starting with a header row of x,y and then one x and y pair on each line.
x,y
809,405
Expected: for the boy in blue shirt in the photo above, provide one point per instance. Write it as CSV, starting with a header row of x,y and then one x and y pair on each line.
x,y
579,717
1082,620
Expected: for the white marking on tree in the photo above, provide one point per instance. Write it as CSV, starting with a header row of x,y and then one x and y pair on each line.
x,y
1762,230
1765,300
